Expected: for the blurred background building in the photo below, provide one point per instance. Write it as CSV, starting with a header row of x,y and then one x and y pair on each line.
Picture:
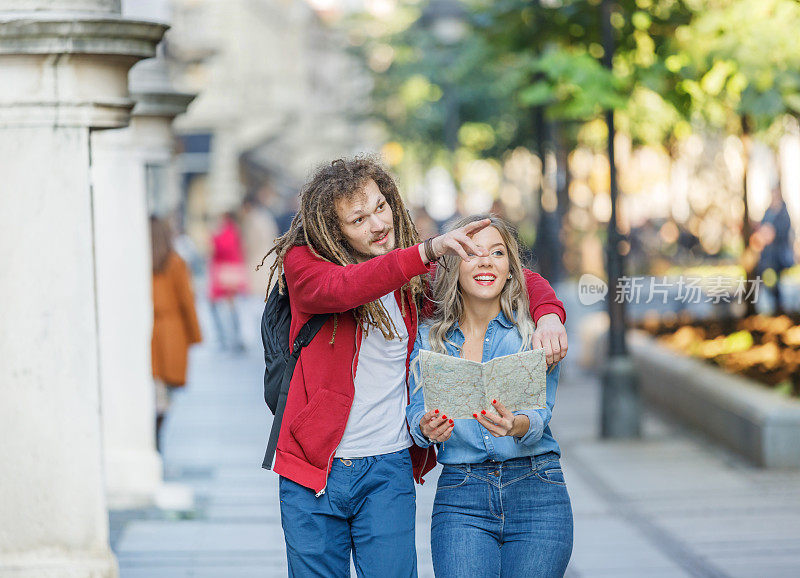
x,y
278,94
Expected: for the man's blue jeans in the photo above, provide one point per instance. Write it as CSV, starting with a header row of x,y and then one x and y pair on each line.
x,y
368,506
507,519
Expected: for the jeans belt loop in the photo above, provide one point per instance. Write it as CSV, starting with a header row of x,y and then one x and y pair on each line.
x,y
533,463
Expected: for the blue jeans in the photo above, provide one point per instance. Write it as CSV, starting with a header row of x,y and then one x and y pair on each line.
x,y
510,518
368,507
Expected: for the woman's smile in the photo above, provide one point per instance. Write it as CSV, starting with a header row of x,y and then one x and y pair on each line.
x,y
485,279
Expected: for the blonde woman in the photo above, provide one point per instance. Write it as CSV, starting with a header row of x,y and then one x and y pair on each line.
x,y
501,507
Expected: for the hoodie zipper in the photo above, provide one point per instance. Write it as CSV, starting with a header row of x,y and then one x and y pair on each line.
x,y
330,461
353,377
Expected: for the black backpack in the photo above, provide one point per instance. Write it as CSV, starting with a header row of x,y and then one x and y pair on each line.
x,y
279,360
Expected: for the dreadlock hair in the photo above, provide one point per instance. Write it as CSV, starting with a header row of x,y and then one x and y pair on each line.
x,y
316,224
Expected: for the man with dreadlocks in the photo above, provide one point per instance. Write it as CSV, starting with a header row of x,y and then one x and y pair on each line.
x,y
346,459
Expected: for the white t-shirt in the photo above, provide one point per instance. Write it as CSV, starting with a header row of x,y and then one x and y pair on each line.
x,y
377,422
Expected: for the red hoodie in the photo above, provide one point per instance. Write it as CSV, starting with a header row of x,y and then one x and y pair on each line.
x,y
322,386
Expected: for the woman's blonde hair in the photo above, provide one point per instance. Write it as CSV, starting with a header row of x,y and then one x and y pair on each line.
x,y
446,292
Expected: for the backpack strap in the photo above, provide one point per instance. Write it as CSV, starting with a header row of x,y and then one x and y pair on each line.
x,y
304,337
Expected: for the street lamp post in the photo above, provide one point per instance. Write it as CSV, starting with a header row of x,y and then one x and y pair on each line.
x,y
620,411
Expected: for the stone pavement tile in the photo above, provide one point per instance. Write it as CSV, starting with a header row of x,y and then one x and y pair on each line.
x,y
649,467
750,502
731,530
199,536
775,481
767,566
222,493
784,549
202,562
202,572
585,500
217,558
243,512
207,567
238,473
643,572
607,545
214,452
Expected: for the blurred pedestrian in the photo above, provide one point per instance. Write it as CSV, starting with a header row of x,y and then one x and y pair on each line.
x,y
776,237
175,325
259,231
285,216
227,280
644,247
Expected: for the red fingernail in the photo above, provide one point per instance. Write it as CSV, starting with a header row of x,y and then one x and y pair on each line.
x,y
444,416
451,422
474,415
436,411
483,411
494,401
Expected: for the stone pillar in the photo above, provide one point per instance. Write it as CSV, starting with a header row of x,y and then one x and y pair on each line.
x,y
124,161
63,72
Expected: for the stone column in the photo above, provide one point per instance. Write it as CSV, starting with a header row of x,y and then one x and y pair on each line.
x,y
124,161
63,72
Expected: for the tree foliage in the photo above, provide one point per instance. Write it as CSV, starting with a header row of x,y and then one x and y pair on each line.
x,y
676,62
739,64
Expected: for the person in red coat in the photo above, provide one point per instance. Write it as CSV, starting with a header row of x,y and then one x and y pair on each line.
x,y
346,459
227,280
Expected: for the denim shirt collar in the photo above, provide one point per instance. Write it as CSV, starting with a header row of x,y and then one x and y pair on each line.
x,y
456,337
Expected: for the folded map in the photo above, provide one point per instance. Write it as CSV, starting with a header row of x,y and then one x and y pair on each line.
x,y
460,387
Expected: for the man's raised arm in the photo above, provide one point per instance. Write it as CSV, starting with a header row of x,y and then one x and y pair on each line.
x,y
319,286
549,315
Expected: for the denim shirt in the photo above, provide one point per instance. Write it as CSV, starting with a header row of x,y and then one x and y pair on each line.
x,y
470,442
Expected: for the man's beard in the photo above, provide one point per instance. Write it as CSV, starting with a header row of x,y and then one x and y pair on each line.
x,y
359,256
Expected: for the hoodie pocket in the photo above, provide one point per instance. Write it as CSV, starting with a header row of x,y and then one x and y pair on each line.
x,y
315,426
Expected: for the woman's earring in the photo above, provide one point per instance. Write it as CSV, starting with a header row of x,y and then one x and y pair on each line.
x,y
510,276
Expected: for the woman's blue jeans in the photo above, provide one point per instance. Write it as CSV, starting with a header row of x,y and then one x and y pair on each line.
x,y
506,519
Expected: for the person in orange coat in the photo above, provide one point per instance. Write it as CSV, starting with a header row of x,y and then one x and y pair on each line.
x,y
175,325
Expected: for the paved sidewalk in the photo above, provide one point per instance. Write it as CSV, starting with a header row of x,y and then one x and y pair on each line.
x,y
669,505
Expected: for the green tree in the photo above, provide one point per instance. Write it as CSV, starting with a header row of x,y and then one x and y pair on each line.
x,y
740,68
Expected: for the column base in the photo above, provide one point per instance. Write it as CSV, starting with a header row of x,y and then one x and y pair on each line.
x,y
133,478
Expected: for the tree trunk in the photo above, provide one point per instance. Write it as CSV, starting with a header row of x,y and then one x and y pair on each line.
x,y
563,149
547,247
750,264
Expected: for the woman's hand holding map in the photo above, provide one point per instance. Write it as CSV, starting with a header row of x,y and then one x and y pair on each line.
x,y
435,426
504,423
